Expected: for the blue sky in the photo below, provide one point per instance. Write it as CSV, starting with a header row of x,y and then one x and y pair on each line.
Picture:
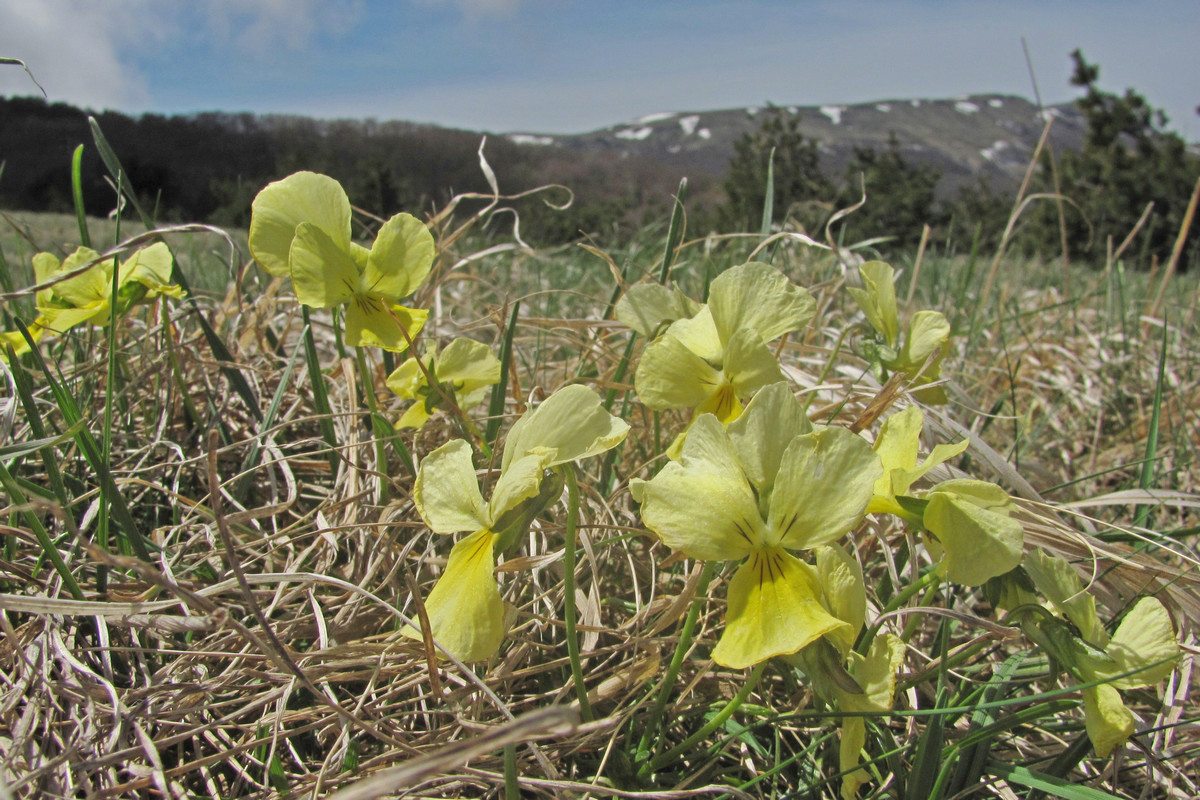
x,y
562,66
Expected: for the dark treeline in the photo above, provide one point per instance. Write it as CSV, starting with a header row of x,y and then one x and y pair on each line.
x,y
208,167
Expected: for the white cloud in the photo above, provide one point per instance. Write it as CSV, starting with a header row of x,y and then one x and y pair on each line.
x,y
263,26
76,49
88,53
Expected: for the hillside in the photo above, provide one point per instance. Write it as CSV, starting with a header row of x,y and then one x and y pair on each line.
x,y
982,136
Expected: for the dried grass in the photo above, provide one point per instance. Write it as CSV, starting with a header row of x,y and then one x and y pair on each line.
x,y
165,684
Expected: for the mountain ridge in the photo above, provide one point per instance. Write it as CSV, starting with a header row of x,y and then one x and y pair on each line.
x,y
991,137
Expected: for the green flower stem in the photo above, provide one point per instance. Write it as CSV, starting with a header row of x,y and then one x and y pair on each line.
x,y
368,388
512,787
681,650
689,744
900,598
568,473
910,626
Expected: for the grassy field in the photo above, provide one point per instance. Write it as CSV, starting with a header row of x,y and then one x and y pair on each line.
x,y
162,641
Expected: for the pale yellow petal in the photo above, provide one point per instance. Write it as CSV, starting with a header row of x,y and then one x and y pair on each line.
x,y
979,538
821,492
1109,723
773,610
878,299
570,425
649,307
1144,641
371,322
843,590
324,274
446,492
759,298
1055,578
283,205
702,505
749,364
400,259
767,426
465,610
670,375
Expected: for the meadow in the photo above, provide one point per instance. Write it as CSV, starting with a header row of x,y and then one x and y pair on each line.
x,y
220,553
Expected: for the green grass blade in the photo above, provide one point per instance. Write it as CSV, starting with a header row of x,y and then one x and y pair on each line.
x,y
1146,479
1055,787
242,490
23,384
500,390
77,196
674,232
769,198
928,756
220,352
17,497
971,765
91,452
316,379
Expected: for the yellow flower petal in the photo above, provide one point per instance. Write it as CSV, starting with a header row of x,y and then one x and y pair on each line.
x,y
772,419
970,519
371,322
466,612
1060,583
649,307
821,492
446,492
773,610
759,298
1108,722
669,375
324,274
283,205
699,335
844,592
400,259
571,424
897,446
878,299
519,481
749,363
1144,641
702,505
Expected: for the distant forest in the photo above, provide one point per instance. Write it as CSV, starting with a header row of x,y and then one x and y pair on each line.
x,y
207,167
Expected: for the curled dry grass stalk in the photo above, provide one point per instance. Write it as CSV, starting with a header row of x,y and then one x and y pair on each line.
x,y
167,684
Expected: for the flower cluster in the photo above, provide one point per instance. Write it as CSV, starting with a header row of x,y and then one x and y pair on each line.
x,y
79,289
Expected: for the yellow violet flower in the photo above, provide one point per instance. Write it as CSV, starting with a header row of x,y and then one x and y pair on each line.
x,y
763,487
466,613
928,332
1142,651
711,357
87,296
897,445
300,227
968,522
463,370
